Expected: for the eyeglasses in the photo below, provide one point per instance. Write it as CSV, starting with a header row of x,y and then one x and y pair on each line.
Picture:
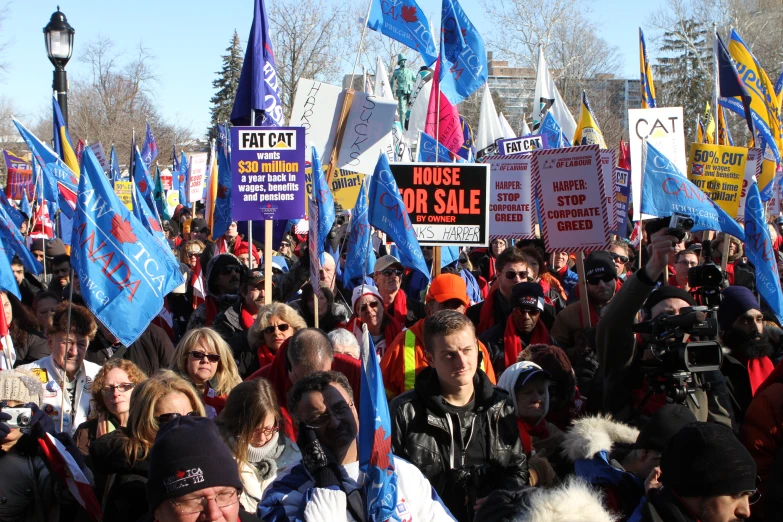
x,y
271,329
200,356
522,274
392,271
168,417
532,312
323,420
285,245
622,259
365,306
230,269
595,280
124,387
190,506
268,432
686,263
193,254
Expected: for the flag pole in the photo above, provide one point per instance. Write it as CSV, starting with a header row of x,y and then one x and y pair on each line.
x,y
361,42
65,359
716,79
583,297
250,227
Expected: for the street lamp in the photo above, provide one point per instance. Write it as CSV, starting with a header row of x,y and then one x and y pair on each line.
x,y
58,35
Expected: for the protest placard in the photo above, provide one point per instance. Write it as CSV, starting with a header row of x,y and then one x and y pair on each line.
x,y
664,129
172,200
719,171
100,155
622,198
166,179
608,165
124,191
268,173
317,108
511,210
568,185
197,170
447,202
345,186
368,129
520,145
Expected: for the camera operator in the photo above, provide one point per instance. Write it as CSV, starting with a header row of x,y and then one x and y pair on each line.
x,y
621,351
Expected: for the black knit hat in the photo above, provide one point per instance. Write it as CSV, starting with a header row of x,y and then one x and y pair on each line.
x,y
705,460
663,425
189,455
736,300
598,264
668,292
527,295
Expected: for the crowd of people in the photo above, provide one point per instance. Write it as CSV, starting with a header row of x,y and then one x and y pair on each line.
x,y
521,386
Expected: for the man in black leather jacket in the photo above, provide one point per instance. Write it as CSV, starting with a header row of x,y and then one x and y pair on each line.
x,y
457,428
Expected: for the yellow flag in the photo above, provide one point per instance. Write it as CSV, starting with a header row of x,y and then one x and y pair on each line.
x,y
587,130
648,87
709,132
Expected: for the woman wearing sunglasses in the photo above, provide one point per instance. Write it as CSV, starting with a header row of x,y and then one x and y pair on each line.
x,y
121,458
250,425
203,358
368,309
621,255
275,324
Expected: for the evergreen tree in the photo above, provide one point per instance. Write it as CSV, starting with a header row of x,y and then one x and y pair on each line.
x,y
226,84
684,71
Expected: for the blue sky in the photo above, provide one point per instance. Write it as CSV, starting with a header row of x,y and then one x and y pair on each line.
x,y
187,39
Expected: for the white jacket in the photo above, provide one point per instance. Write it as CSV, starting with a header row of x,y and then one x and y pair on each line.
x,y
52,377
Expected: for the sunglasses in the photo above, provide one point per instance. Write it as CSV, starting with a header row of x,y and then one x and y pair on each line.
x,y
622,259
168,417
365,306
392,271
513,275
271,329
606,278
285,245
230,269
463,259
199,356
532,312
193,254
125,387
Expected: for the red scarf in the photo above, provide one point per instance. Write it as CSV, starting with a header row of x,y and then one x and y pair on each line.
x,y
211,310
265,355
527,432
399,308
491,272
758,371
512,343
487,317
593,316
246,318
216,401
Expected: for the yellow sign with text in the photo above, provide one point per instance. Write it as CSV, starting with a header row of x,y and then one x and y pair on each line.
x,y
719,170
345,186
124,191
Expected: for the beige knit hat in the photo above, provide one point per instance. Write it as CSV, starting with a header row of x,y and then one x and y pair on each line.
x,y
21,386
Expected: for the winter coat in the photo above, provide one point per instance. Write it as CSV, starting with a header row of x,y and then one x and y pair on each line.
x,y
422,433
198,319
152,351
34,348
253,486
738,384
663,506
339,314
28,493
495,341
229,322
568,329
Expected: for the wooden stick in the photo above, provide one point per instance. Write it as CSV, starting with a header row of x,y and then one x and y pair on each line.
x,y
268,228
580,270
436,257
338,141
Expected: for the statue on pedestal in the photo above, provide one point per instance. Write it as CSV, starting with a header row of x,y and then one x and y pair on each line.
x,y
402,86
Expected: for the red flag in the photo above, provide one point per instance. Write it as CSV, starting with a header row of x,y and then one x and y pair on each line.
x,y
449,132
8,357
42,223
624,159
79,151
65,468
165,318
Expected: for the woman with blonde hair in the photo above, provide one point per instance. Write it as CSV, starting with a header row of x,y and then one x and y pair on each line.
x,y
250,425
205,359
190,252
274,325
121,458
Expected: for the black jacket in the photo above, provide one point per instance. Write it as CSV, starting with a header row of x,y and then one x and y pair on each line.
x,y
29,286
421,434
152,351
33,348
663,506
229,322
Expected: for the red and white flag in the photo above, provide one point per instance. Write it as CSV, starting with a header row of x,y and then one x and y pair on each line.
x,y
197,282
42,222
165,318
65,468
636,235
8,357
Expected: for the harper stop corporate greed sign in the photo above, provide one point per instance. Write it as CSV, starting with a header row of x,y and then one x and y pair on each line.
x,y
268,166
447,202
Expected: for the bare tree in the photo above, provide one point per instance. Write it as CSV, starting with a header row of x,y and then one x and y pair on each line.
x,y
5,10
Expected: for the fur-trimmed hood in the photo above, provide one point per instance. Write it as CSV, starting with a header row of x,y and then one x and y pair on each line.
x,y
589,435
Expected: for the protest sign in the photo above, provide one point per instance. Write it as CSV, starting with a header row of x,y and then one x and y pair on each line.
x,y
124,191
317,108
97,149
568,185
510,197
622,199
166,179
268,170
769,169
447,202
312,247
608,164
719,170
752,168
664,129
345,186
520,145
368,129
197,170
172,200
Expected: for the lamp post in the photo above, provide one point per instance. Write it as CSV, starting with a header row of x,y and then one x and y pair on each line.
x,y
58,35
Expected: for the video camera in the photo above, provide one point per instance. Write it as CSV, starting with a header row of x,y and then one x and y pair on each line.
x,y
706,278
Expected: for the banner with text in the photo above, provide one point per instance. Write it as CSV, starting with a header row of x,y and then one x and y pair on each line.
x,y
368,129
520,145
752,168
345,186
197,171
569,187
608,164
719,171
268,169
447,203
100,154
511,210
622,198
124,191
317,108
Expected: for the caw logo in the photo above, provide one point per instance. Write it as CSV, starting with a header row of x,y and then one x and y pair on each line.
x,y
267,139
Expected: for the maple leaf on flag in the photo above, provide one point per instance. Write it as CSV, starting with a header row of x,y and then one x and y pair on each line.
x,y
409,14
143,186
155,225
464,32
181,178
222,191
380,451
122,230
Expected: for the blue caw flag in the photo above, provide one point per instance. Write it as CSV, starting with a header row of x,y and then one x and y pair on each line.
x,y
375,452
665,191
14,215
404,21
360,260
426,153
322,195
259,88
14,244
141,175
464,60
222,214
388,213
26,209
758,248
182,178
7,280
124,273
149,151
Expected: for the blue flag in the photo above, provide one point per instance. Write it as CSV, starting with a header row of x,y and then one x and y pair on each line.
x,y
7,280
405,22
143,181
222,214
149,151
427,148
468,149
14,244
730,85
259,88
60,182
14,215
758,248
322,195
464,60
123,271
26,209
665,191
182,178
376,460
359,251
387,212
150,220
114,166
554,134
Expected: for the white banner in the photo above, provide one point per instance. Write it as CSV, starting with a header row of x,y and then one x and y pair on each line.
x,y
368,131
317,108
752,168
511,210
197,170
97,149
607,175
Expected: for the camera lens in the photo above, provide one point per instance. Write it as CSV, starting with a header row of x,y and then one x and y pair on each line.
x,y
687,224
23,420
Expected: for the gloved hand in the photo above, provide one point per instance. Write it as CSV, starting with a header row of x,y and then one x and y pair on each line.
x,y
5,429
316,459
41,424
326,504
541,472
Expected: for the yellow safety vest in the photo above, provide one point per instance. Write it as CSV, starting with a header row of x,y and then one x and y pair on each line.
x,y
409,359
